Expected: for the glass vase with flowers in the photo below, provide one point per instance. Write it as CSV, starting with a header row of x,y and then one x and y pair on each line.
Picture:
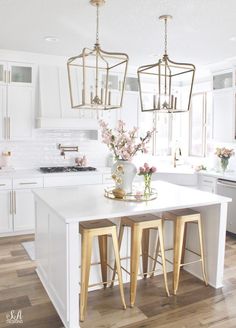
x,y
147,172
125,145
224,154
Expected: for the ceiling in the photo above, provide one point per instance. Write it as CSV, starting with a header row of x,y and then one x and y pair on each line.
x,y
199,33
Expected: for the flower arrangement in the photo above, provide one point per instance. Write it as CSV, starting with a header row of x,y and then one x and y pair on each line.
x,y
122,142
224,154
147,172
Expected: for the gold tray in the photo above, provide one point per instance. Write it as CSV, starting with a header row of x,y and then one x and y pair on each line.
x,y
132,197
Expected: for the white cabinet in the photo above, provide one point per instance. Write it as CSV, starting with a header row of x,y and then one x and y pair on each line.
x,y
16,101
207,183
223,115
5,211
19,112
24,212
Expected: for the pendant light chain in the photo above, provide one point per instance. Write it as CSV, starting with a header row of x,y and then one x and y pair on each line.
x,y
97,27
165,36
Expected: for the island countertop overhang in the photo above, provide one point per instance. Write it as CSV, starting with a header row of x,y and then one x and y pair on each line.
x,y
75,204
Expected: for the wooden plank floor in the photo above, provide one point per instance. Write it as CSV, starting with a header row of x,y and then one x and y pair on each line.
x,y
195,306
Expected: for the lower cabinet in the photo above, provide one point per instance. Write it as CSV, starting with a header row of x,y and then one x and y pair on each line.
x,y
24,214
6,211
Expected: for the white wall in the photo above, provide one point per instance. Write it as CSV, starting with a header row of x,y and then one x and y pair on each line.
x,y
42,150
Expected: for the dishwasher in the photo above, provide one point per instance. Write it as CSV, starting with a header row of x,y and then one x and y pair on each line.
x,y
227,188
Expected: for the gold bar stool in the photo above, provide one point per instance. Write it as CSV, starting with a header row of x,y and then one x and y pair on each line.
x,y
140,228
180,220
101,229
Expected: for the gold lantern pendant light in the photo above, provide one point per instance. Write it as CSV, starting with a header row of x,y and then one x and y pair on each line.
x,y
97,77
166,79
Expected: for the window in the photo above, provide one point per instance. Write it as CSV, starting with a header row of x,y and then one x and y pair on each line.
x,y
160,144
200,124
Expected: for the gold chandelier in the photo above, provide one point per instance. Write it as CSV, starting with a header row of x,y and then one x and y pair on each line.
x,y
167,78
97,77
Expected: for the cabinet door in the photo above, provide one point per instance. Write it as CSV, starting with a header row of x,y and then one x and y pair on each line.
x,y
20,74
223,116
3,73
23,206
3,118
129,110
20,112
5,211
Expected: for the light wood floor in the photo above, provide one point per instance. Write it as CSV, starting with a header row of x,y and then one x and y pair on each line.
x,y
195,306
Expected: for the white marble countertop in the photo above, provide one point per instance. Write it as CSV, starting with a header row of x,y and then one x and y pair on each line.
x,y
71,204
182,169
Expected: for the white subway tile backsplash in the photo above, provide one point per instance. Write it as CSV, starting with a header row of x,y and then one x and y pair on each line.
x,y
42,149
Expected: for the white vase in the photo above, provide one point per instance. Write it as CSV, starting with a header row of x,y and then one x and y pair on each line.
x,y
123,173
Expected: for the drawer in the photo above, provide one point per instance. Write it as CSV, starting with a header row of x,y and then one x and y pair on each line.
x,y
27,183
5,184
207,180
72,180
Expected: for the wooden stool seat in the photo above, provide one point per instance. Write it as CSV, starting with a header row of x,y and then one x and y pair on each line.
x,y
96,224
140,227
101,229
180,219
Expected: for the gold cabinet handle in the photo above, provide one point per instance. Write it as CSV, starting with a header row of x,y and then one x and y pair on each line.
x,y
9,128
28,183
14,202
11,203
5,128
5,76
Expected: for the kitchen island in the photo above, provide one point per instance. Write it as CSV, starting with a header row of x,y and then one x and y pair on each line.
x,y
59,211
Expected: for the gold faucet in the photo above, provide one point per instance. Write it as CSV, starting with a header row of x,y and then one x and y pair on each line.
x,y
65,149
177,150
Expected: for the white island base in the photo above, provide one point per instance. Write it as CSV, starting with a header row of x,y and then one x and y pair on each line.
x,y
59,211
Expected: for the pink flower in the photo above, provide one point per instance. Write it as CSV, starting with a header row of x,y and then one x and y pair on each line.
x,y
153,169
145,165
141,170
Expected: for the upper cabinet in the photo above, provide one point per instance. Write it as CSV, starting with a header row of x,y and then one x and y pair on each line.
x,y
16,100
19,74
223,116
223,80
224,107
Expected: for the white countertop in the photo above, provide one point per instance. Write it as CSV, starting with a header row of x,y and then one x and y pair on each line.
x,y
72,204
183,170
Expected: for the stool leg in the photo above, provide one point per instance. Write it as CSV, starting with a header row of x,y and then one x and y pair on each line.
x,y
136,238
202,252
121,232
145,249
102,241
118,266
85,270
184,243
178,245
162,248
156,255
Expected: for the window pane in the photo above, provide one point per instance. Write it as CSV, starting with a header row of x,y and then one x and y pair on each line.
x,y
197,123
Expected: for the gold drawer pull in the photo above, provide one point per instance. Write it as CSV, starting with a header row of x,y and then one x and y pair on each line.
x,y
28,183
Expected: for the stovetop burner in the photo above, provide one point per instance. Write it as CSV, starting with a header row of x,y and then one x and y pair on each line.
x,y
58,169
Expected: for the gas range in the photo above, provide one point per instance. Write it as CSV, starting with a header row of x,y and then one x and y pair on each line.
x,y
62,169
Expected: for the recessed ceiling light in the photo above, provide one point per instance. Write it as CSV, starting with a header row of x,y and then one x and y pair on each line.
x,y
233,38
51,39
